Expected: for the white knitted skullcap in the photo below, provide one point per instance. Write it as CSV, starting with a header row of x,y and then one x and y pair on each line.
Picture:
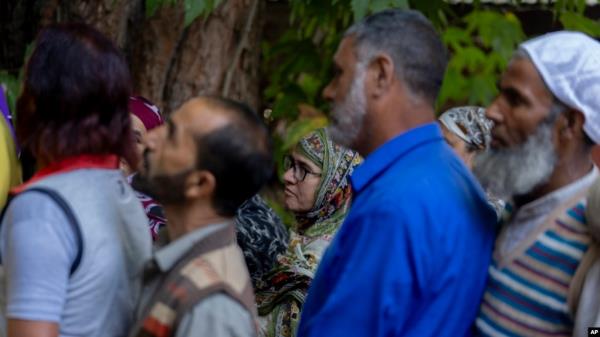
x,y
569,63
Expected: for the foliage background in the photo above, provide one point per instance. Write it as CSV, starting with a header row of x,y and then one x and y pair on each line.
x,y
481,40
295,63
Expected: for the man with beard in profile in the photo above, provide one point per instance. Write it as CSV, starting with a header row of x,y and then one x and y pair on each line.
x,y
411,257
546,122
209,157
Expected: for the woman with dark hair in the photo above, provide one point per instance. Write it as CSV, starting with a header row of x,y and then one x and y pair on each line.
x,y
74,236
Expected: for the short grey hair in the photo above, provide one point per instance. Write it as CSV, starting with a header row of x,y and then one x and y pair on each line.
x,y
419,56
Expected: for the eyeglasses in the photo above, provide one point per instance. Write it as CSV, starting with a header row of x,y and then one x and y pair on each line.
x,y
299,170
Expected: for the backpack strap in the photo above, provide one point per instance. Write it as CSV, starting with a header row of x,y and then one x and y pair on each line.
x,y
72,219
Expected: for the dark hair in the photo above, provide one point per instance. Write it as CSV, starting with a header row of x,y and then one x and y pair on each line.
x,y
75,96
411,41
239,155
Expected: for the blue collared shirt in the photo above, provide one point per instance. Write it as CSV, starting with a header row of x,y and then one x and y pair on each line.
x,y
411,258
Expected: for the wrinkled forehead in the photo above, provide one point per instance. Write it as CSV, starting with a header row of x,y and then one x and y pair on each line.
x,y
347,53
522,76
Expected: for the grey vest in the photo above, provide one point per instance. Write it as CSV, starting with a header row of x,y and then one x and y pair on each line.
x,y
103,291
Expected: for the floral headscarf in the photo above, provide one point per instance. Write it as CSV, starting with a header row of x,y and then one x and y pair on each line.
x,y
334,191
470,124
281,293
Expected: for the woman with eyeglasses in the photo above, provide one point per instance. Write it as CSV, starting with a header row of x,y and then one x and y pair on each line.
x,y
317,191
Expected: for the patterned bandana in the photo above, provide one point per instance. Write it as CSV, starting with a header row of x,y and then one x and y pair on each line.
x,y
470,124
569,63
337,163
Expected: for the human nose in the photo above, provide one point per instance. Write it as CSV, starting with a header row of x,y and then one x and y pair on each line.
x,y
150,141
328,92
494,112
288,176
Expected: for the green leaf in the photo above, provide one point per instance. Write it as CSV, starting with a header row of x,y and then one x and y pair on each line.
x,y
482,89
152,6
359,8
311,86
378,5
193,9
301,128
574,21
13,88
286,102
453,87
455,38
403,4
473,58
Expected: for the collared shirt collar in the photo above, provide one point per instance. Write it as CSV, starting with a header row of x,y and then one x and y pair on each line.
x,y
388,153
167,256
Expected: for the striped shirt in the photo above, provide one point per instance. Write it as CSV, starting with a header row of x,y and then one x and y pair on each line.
x,y
528,286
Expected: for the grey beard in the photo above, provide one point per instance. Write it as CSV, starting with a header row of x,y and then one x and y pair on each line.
x,y
350,113
511,172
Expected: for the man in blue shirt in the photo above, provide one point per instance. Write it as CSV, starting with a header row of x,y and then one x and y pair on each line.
x,y
412,257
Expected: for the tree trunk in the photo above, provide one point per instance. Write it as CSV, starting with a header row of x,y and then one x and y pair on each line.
x,y
108,16
170,63
19,25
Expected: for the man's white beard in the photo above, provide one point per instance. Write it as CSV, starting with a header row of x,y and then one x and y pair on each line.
x,y
507,173
349,114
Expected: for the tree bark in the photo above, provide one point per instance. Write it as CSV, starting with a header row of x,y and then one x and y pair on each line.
x,y
19,25
172,63
169,63
154,45
108,16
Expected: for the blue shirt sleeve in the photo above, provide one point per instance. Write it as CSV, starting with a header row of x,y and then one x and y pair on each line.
x,y
38,247
374,266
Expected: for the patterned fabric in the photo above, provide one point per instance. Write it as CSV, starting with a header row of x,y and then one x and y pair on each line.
x,y
527,295
470,124
569,63
153,210
261,234
281,296
214,264
334,190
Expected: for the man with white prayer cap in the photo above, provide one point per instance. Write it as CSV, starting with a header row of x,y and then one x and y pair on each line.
x,y
546,121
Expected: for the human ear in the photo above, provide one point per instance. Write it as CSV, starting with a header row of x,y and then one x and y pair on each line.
x,y
380,75
200,184
572,124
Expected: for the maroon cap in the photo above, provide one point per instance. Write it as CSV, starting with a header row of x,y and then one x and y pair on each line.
x,y
147,112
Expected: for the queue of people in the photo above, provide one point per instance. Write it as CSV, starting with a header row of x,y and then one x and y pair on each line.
x,y
482,222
